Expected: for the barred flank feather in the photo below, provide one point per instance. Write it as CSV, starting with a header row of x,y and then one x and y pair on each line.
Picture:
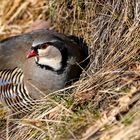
x,y
13,92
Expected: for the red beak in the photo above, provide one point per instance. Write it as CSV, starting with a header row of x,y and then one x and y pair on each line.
x,y
31,53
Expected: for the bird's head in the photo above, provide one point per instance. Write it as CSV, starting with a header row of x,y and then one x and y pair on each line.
x,y
48,54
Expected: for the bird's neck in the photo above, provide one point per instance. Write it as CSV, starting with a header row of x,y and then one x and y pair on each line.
x,y
54,65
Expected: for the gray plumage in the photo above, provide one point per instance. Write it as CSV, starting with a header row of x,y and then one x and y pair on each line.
x,y
66,50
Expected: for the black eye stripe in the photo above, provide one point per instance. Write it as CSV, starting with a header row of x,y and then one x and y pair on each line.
x,y
39,46
45,45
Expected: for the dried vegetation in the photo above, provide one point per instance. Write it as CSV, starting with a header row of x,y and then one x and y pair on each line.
x,y
104,104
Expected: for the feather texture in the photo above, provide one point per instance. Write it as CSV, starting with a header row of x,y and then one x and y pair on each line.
x,y
13,92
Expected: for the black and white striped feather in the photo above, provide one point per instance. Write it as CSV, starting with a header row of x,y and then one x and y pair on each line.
x,y
13,92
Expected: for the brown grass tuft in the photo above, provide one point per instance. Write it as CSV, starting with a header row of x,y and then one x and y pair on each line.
x,y
106,98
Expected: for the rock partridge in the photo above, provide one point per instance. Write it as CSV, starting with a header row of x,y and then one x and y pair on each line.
x,y
43,59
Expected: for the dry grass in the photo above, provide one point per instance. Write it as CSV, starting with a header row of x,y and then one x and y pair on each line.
x,y
106,98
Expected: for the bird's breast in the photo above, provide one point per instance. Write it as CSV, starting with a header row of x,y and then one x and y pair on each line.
x,y
39,79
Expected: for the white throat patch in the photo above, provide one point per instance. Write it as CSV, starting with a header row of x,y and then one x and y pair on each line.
x,y
51,56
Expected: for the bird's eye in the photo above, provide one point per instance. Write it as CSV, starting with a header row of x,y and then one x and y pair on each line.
x,y
44,46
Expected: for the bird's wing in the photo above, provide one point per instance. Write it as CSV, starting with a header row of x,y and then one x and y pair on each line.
x,y
13,92
12,51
